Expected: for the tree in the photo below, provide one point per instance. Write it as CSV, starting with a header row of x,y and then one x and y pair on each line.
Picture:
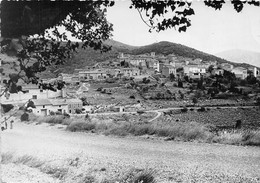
x,y
210,69
24,28
194,100
85,20
178,12
172,77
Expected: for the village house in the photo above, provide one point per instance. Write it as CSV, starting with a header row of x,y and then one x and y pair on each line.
x,y
73,105
217,72
137,62
181,63
194,71
92,75
240,72
33,92
156,65
42,107
227,66
59,105
69,78
130,72
168,69
255,71
45,107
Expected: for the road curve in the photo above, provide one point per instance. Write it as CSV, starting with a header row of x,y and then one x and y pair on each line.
x,y
50,142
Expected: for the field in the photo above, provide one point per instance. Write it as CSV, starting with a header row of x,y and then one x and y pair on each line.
x,y
250,117
214,125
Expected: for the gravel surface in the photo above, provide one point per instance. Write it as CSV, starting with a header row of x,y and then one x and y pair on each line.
x,y
13,173
114,156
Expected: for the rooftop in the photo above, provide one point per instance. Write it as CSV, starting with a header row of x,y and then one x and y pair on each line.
x,y
38,102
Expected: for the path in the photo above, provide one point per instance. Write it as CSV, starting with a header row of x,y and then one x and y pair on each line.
x,y
167,157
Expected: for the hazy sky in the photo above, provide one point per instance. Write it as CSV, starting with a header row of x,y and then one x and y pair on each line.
x,y
211,31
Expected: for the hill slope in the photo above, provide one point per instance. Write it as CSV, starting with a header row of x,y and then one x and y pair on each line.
x,y
241,56
85,57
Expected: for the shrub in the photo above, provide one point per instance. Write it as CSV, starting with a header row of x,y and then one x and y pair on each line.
x,y
25,117
132,97
202,109
52,119
185,109
7,107
99,89
251,138
138,176
194,100
81,125
78,111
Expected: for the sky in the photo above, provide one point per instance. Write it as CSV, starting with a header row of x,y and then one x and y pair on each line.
x,y
211,31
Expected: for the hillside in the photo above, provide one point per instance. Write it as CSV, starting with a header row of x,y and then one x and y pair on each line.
x,y
85,57
241,56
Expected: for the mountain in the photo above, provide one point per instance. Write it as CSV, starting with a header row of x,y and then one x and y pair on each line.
x,y
120,46
86,57
241,56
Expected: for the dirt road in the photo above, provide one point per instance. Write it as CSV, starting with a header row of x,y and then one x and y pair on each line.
x,y
118,154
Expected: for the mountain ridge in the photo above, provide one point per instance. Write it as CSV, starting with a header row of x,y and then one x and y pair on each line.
x,y
240,55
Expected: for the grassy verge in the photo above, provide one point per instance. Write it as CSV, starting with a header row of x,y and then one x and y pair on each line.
x,y
165,127
30,161
189,131
65,171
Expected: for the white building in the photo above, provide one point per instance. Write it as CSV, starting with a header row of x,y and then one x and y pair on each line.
x,y
194,71
240,72
32,92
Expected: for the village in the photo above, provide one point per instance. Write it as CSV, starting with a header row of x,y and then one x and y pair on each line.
x,y
84,90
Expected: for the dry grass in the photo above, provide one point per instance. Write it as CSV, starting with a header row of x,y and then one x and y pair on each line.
x,y
238,137
138,176
171,130
33,162
66,173
186,131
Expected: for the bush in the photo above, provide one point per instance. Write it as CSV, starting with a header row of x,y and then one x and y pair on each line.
x,y
202,109
25,117
78,111
132,97
185,109
194,100
7,107
81,125
99,89
52,119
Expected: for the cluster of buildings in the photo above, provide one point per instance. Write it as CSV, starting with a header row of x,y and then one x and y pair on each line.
x,y
128,65
45,101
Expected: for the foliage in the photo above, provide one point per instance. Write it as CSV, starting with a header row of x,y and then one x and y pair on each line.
x,y
258,101
84,99
25,117
180,84
146,81
185,109
202,109
194,100
172,77
177,11
85,20
6,107
30,31
78,111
